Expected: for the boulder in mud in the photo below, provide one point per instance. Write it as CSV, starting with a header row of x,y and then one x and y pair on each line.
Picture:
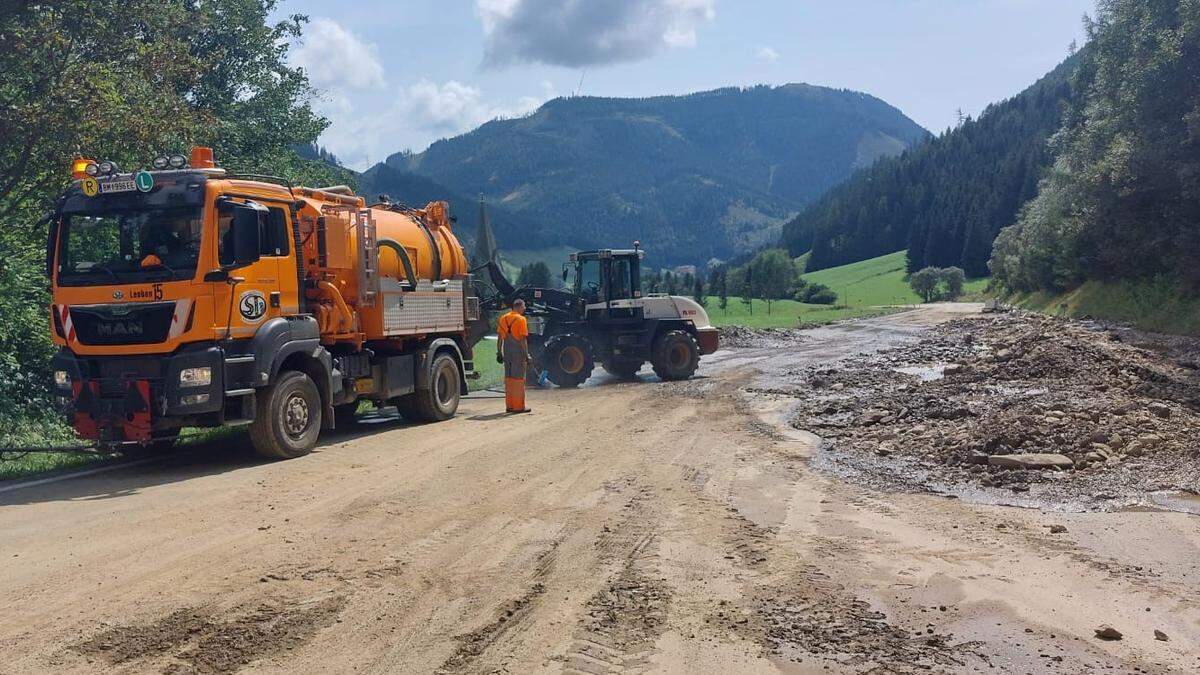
x,y
1107,632
1160,410
1037,460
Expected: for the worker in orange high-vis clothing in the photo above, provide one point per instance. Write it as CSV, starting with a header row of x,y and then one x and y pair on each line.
x,y
512,333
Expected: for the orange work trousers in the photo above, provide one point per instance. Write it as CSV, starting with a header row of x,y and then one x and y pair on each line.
x,y
514,394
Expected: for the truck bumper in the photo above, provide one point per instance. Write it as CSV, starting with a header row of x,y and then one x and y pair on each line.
x,y
130,399
708,339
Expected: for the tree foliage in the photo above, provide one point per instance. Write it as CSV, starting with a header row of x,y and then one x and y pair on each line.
x,y
535,274
945,200
924,283
126,81
1123,199
937,283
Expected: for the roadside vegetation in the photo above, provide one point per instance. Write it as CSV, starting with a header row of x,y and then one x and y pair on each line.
x,y
1158,305
491,374
212,73
1122,201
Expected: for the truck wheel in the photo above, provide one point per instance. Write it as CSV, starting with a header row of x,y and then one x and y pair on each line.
x,y
406,405
676,355
345,415
568,358
289,417
623,368
440,401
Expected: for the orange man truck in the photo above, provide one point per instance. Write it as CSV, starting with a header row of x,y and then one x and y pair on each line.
x,y
185,296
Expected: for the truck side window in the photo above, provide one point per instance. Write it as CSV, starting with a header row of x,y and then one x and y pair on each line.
x,y
275,233
273,238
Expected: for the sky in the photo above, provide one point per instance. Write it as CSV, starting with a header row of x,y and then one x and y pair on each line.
x,y
400,74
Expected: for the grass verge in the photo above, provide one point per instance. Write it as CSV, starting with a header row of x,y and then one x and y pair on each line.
x,y
1157,305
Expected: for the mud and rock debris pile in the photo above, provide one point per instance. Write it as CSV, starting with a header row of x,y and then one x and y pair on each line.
x,y
1015,401
759,338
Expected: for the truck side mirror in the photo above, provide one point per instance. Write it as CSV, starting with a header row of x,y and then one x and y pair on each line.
x,y
246,230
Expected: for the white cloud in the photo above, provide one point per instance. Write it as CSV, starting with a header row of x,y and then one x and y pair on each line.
x,y
767,54
576,33
420,114
335,59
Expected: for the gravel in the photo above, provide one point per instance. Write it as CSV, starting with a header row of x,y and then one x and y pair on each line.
x,y
1018,402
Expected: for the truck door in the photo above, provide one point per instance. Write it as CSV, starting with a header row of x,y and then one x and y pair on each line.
x,y
269,286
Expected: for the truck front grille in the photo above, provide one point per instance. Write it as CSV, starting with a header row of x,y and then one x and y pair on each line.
x,y
123,324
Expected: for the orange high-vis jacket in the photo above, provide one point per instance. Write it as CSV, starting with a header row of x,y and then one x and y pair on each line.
x,y
512,325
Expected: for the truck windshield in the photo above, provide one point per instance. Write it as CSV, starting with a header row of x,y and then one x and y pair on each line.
x,y
132,245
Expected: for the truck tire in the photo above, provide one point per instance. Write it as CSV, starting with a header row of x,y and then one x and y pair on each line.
x,y
440,401
568,359
625,369
406,405
345,415
675,355
289,417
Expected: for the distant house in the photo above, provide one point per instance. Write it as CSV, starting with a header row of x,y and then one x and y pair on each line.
x,y
684,270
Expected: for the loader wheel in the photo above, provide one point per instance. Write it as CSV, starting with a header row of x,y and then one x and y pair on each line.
x,y
623,368
289,417
440,401
676,355
568,358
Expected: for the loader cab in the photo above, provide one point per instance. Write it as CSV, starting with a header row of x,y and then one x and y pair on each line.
x,y
608,281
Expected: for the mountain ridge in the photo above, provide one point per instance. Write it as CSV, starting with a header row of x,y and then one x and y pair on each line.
x,y
712,174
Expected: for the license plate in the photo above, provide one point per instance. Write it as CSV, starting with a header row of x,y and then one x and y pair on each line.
x,y
117,186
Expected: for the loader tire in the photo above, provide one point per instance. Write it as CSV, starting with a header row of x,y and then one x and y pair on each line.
x,y
625,369
676,355
289,417
568,359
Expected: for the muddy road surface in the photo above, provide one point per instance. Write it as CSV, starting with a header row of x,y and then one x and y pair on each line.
x,y
622,527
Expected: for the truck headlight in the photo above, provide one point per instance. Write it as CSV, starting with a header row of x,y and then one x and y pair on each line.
x,y
195,377
62,378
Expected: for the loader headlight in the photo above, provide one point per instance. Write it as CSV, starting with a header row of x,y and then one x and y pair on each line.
x,y
195,377
62,378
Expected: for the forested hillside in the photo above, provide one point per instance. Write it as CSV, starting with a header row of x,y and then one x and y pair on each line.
x,y
694,177
127,80
417,190
1123,199
945,200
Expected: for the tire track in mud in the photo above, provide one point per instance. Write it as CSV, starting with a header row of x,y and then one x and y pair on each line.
x,y
508,619
792,607
623,620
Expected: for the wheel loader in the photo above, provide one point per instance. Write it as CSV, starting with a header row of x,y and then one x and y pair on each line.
x,y
603,317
